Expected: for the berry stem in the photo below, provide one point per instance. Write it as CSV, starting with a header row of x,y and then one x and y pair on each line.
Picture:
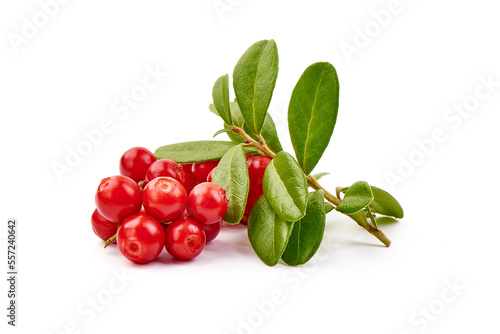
x,y
263,149
110,241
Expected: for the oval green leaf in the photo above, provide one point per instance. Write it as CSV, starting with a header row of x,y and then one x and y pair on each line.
x,y
236,116
254,78
196,151
360,218
356,198
328,207
267,232
307,233
237,119
285,187
211,107
312,113
231,174
319,176
218,132
220,95
270,134
384,204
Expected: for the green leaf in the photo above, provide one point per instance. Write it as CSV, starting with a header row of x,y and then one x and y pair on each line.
x,y
196,151
307,233
237,119
267,232
360,218
356,198
231,174
328,207
236,115
285,187
211,107
221,131
312,113
384,204
220,95
383,220
369,214
318,176
254,78
270,134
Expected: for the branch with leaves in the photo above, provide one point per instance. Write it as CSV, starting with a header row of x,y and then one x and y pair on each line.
x,y
288,221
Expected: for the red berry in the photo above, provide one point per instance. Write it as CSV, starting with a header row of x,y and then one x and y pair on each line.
x,y
102,227
212,230
140,238
210,175
207,203
184,239
256,168
135,162
202,169
165,167
164,198
184,214
118,197
190,180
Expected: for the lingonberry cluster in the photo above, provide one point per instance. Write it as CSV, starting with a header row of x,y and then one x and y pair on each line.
x,y
159,203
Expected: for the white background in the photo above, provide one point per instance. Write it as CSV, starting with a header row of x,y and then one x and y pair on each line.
x,y
395,91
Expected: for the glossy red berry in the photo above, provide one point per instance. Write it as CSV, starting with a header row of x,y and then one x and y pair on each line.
x,y
212,230
164,199
207,203
135,162
256,168
102,227
210,175
184,239
165,167
189,179
202,169
118,197
184,214
140,238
